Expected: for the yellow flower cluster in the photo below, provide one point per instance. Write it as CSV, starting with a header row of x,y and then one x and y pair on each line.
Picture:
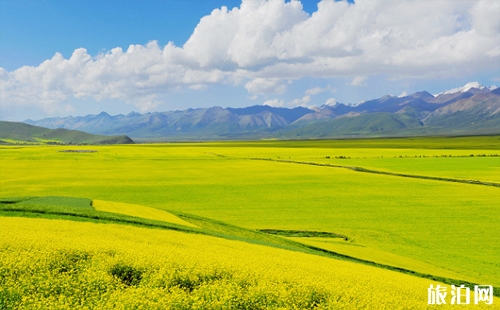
x,y
57,264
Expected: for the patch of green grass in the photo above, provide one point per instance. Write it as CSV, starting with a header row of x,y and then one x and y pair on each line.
x,y
218,228
58,201
303,233
8,200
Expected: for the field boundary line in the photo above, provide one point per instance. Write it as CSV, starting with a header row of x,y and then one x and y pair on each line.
x,y
361,169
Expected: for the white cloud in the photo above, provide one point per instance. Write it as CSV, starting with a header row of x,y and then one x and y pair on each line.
x,y
265,44
331,101
300,101
291,104
316,90
495,52
242,37
198,86
266,86
274,103
138,76
358,81
484,16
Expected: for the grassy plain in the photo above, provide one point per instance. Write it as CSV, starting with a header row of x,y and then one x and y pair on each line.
x,y
429,226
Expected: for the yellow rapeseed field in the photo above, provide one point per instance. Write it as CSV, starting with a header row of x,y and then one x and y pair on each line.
x,y
434,227
58,264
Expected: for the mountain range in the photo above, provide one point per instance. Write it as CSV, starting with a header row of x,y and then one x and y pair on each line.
x,y
471,109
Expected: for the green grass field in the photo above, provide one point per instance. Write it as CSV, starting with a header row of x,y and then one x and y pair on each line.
x,y
432,227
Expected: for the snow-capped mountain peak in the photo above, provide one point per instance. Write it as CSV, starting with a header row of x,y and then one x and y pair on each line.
x,y
463,89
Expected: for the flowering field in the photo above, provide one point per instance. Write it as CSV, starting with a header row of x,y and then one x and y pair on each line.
x,y
56,264
427,226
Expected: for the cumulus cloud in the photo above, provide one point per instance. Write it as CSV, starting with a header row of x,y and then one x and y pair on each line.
x,y
274,103
316,90
264,44
358,81
300,101
331,101
138,76
303,102
266,86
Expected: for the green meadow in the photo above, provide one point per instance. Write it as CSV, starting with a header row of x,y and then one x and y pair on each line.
x,y
403,209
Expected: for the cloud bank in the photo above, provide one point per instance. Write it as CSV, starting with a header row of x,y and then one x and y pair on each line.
x,y
266,45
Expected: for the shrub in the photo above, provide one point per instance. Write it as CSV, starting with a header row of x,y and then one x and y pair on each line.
x,y
127,274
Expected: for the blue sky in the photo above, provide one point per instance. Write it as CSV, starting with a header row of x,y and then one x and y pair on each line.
x,y
62,58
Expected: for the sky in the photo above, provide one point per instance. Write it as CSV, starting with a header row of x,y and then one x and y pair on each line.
x,y
61,58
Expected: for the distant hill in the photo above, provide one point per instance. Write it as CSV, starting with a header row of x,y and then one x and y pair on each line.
x,y
471,109
13,132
